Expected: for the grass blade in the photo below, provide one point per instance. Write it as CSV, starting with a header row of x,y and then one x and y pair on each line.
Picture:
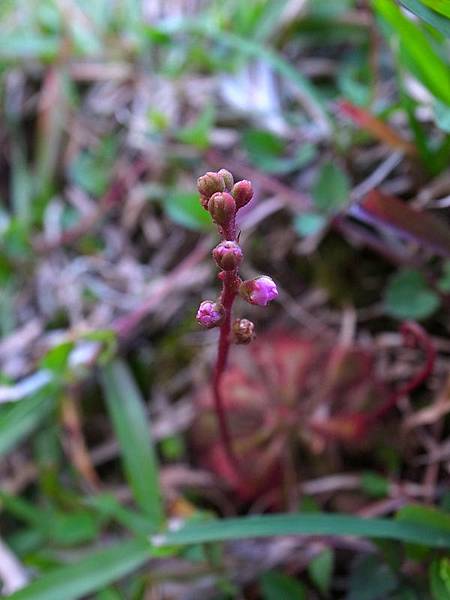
x,y
88,575
131,426
21,418
431,69
439,22
304,524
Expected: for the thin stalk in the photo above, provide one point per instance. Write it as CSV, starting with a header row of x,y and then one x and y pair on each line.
x,y
228,296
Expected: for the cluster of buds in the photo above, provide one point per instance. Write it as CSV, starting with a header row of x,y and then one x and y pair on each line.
x,y
222,198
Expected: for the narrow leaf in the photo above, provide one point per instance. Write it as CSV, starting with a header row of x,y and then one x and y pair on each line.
x,y
419,226
309,524
131,424
88,575
22,417
440,23
431,69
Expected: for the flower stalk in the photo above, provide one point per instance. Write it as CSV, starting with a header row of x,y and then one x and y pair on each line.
x,y
222,198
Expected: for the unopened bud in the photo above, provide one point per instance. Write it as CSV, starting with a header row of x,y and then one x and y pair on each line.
x,y
210,314
228,255
242,193
259,291
204,201
227,178
243,331
222,207
210,183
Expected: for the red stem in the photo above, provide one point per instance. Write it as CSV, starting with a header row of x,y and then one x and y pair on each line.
x,y
229,292
413,335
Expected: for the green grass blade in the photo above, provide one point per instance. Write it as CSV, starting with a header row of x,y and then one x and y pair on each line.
x,y
431,69
19,419
314,102
131,425
440,6
90,574
310,524
439,22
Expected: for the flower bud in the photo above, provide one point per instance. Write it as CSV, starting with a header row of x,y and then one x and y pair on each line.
x,y
243,331
258,291
210,183
227,178
204,201
242,193
222,207
210,314
228,255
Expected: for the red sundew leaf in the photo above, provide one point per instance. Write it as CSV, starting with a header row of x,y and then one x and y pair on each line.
x,y
380,130
419,226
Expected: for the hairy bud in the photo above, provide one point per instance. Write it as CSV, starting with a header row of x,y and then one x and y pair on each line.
x,y
228,255
222,207
259,291
243,331
242,193
210,183
210,314
227,178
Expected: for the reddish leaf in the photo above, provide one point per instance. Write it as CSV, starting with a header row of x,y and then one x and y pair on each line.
x,y
380,130
420,226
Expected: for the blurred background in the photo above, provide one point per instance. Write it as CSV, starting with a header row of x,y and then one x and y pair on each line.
x,y
339,114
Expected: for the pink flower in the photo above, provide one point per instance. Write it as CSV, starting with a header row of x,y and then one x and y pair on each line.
x,y
210,314
259,291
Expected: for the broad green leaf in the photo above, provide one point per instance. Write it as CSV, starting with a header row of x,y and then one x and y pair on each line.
x,y
276,585
439,575
88,575
185,209
266,151
440,23
331,188
371,580
309,223
408,296
19,419
57,357
320,570
431,69
303,524
132,428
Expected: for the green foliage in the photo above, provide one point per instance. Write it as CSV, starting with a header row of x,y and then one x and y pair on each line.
x,y
275,585
266,151
433,72
331,188
127,411
320,570
73,582
439,574
419,8
307,524
185,209
371,580
408,296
